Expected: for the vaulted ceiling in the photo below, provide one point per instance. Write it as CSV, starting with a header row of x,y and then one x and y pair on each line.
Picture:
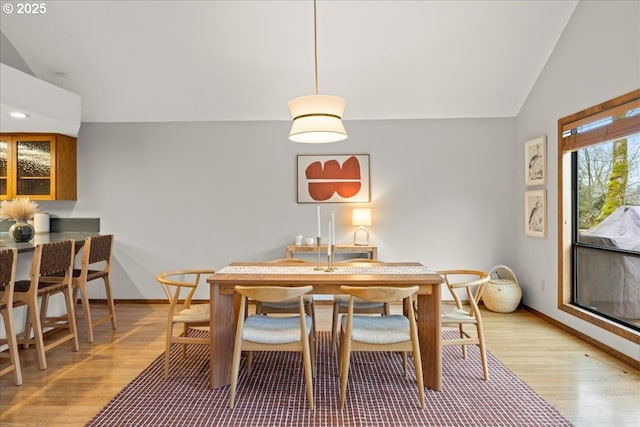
x,y
244,60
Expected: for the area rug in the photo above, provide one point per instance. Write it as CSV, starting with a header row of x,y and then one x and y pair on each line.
x,y
378,394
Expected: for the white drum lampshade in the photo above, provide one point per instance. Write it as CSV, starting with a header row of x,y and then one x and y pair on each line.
x,y
317,119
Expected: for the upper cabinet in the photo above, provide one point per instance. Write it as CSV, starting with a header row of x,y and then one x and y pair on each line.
x,y
38,166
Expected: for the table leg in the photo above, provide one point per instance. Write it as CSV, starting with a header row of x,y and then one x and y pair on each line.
x,y
429,334
222,326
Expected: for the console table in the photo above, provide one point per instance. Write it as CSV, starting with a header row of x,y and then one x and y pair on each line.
x,y
371,251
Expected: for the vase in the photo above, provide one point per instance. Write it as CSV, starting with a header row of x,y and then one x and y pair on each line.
x,y
21,231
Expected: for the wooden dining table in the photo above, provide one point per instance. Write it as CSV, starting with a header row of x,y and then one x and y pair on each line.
x,y
224,303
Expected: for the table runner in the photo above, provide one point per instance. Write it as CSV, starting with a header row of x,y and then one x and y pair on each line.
x,y
280,269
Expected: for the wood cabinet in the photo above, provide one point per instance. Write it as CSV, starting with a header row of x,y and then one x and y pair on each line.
x,y
39,166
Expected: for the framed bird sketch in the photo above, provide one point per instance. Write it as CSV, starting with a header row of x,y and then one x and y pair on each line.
x,y
535,213
535,161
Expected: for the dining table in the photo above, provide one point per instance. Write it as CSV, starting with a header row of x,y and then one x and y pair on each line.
x,y
225,303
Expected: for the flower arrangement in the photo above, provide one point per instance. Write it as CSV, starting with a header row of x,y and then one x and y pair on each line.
x,y
20,209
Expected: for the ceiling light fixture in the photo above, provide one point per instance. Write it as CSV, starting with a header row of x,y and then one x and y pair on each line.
x,y
18,115
317,118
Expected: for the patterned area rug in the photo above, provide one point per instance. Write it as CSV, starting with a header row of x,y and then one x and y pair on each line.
x,y
377,395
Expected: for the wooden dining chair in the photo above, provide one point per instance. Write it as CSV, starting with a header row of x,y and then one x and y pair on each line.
x,y
273,333
472,283
51,269
182,312
393,333
8,259
341,302
291,306
95,264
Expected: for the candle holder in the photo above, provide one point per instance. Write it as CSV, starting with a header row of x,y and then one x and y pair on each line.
x,y
330,260
318,267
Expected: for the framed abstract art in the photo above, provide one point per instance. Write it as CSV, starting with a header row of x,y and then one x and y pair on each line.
x,y
339,178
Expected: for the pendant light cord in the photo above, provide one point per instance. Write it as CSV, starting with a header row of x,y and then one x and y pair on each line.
x,y
315,44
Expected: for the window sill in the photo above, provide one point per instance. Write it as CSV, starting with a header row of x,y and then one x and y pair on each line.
x,y
603,323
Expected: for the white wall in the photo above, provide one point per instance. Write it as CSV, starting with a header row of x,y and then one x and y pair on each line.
x,y
596,59
180,195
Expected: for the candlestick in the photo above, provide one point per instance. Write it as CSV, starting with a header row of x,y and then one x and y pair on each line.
x,y
318,221
318,240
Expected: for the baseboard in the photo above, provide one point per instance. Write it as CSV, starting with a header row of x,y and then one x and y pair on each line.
x,y
609,350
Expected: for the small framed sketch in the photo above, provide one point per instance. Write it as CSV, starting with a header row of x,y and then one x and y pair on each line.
x,y
535,161
333,179
535,213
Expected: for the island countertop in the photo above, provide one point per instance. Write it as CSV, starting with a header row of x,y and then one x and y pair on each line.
x,y
77,236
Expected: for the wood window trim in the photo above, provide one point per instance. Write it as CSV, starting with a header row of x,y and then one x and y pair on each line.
x,y
565,147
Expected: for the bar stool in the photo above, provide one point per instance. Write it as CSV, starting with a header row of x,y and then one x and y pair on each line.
x,y
96,249
50,274
8,260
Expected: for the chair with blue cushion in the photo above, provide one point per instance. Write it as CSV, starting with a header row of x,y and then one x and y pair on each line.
x,y
341,302
392,333
273,333
290,306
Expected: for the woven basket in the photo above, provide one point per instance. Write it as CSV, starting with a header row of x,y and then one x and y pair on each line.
x,y
502,295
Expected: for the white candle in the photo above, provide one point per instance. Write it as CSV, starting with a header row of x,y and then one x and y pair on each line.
x,y
318,221
333,228
330,243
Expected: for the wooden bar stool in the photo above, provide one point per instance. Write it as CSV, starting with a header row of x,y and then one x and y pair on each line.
x,y
96,250
8,259
50,274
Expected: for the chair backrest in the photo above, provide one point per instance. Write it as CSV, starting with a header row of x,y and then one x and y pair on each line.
x,y
8,262
360,260
172,283
380,293
290,261
99,249
273,293
53,259
468,280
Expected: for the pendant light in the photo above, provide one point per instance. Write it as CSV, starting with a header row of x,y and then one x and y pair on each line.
x,y
317,118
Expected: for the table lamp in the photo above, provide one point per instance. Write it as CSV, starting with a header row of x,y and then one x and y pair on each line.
x,y
361,217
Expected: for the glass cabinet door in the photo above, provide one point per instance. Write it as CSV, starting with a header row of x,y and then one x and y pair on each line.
x,y
33,167
4,168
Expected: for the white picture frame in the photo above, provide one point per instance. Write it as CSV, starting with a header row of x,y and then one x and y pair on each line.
x,y
535,161
535,213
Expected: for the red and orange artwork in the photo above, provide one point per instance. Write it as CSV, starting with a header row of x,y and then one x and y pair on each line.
x,y
333,178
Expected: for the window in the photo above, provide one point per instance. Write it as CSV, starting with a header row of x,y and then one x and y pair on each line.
x,y
599,222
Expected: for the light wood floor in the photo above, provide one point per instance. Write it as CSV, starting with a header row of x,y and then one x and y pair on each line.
x,y
586,385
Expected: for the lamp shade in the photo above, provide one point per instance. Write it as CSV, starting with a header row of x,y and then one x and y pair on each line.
x,y
317,119
361,217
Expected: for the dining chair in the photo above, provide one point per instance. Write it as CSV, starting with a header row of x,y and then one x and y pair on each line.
x,y
95,264
273,333
182,312
291,306
392,333
473,283
8,259
50,274
341,302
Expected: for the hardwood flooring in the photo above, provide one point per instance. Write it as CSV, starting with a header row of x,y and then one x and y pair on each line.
x,y
585,384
